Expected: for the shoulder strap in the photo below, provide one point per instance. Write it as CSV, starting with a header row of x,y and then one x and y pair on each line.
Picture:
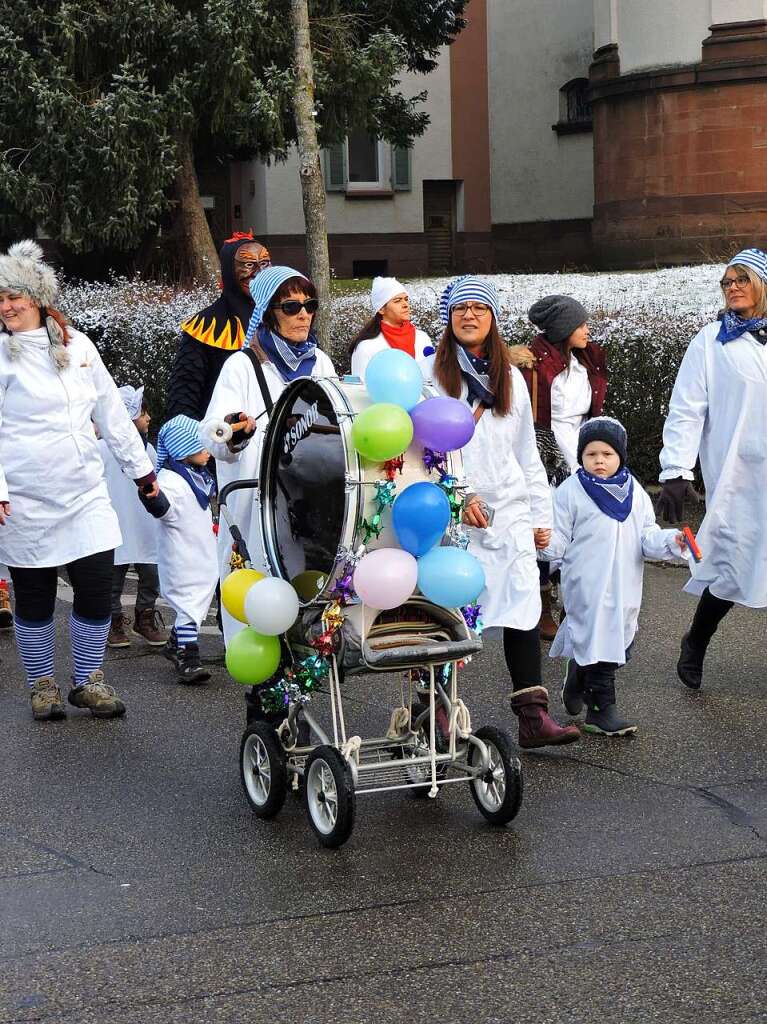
x,y
479,412
534,395
259,372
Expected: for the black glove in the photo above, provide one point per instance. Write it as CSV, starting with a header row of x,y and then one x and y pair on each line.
x,y
671,500
241,439
156,506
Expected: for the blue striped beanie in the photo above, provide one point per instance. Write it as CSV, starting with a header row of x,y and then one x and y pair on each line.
x,y
468,289
755,259
178,438
262,288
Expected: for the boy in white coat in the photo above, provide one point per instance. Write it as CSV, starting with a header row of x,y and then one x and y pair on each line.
x,y
604,528
187,561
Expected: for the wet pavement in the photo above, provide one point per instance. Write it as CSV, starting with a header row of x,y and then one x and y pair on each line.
x,y
136,885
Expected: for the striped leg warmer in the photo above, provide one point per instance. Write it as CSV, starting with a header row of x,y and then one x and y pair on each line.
x,y
89,641
186,633
36,642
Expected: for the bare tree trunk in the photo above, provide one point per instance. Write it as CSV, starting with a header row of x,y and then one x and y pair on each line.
x,y
310,171
197,259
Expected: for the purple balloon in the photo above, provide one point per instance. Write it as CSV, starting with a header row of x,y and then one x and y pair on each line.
x,y
443,424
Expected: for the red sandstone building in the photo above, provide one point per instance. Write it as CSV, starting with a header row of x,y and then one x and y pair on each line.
x,y
564,133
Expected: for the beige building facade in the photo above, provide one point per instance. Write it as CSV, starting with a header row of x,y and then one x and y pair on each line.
x,y
563,134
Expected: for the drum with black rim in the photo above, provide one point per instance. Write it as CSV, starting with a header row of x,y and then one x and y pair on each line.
x,y
316,488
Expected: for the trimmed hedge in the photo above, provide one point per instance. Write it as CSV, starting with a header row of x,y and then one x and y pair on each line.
x,y
135,325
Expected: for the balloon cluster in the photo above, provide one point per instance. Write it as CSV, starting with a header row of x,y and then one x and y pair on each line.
x,y
424,511
269,607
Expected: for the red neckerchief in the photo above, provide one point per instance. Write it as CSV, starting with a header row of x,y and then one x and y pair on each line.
x,y
402,337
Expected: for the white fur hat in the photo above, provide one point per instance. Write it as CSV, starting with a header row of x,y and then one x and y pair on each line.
x,y
384,289
22,270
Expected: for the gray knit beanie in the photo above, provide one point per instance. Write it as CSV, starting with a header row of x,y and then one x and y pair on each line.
x,y
557,316
603,428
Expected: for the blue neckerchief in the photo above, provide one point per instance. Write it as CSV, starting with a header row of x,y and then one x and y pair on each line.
x,y
199,479
732,326
292,361
475,371
613,495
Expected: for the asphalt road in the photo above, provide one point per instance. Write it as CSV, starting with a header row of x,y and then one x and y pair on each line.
x,y
136,887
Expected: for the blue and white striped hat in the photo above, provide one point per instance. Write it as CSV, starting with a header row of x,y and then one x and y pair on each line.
x,y
467,289
755,259
178,438
262,288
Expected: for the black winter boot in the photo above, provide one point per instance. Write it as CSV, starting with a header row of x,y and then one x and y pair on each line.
x,y
689,668
607,722
189,668
572,688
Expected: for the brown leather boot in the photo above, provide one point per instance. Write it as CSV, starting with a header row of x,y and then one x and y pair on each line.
x,y
118,632
536,727
547,627
148,624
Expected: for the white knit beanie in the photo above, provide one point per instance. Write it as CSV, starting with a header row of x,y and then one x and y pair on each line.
x,y
22,270
384,289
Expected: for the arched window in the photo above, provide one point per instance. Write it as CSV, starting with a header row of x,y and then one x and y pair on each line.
x,y
574,107
574,103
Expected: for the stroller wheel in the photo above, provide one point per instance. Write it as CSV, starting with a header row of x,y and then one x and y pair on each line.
x,y
262,769
497,793
329,795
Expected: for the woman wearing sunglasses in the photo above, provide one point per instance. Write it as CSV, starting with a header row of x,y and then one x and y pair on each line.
x,y
280,336
503,465
718,412
389,327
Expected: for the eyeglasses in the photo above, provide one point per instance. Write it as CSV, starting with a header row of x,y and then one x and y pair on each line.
x,y
251,265
741,281
477,308
292,307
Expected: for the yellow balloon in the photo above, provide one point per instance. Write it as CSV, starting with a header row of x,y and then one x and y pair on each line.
x,y
235,587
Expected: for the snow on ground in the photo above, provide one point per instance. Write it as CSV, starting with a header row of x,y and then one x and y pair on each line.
x,y
675,291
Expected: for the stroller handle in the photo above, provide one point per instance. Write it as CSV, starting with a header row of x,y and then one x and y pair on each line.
x,y
236,485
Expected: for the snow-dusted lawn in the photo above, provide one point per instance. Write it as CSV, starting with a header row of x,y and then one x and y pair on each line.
x,y
674,291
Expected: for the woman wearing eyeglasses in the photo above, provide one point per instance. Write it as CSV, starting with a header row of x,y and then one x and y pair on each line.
x,y
389,327
503,466
280,337
718,412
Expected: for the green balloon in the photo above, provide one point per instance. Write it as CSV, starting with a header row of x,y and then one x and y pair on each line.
x,y
382,431
252,658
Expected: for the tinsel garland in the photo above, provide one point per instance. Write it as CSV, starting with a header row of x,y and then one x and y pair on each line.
x,y
384,496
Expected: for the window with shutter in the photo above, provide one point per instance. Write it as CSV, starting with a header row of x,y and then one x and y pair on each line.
x,y
335,167
401,169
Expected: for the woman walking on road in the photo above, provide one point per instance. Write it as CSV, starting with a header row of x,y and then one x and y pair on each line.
x,y
503,465
279,348
718,411
566,375
54,503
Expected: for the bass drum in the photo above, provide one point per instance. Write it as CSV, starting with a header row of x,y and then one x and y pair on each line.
x,y
315,487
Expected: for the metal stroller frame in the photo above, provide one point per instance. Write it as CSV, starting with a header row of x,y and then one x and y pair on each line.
x,y
414,755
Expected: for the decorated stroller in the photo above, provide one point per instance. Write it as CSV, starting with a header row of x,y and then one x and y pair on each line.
x,y
324,511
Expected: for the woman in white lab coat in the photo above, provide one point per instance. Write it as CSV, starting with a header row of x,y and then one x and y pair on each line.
x,y
503,466
390,327
566,376
54,503
718,411
280,335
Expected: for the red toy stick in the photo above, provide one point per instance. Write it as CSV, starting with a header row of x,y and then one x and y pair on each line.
x,y
691,542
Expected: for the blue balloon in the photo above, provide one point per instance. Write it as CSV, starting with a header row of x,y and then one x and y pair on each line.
x,y
420,516
450,577
393,376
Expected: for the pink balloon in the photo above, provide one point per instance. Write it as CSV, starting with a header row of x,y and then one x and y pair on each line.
x,y
386,578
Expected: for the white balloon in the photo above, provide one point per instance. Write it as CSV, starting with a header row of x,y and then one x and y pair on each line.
x,y
271,606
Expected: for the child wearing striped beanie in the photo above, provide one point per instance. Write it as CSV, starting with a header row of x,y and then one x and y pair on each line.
x,y
187,560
